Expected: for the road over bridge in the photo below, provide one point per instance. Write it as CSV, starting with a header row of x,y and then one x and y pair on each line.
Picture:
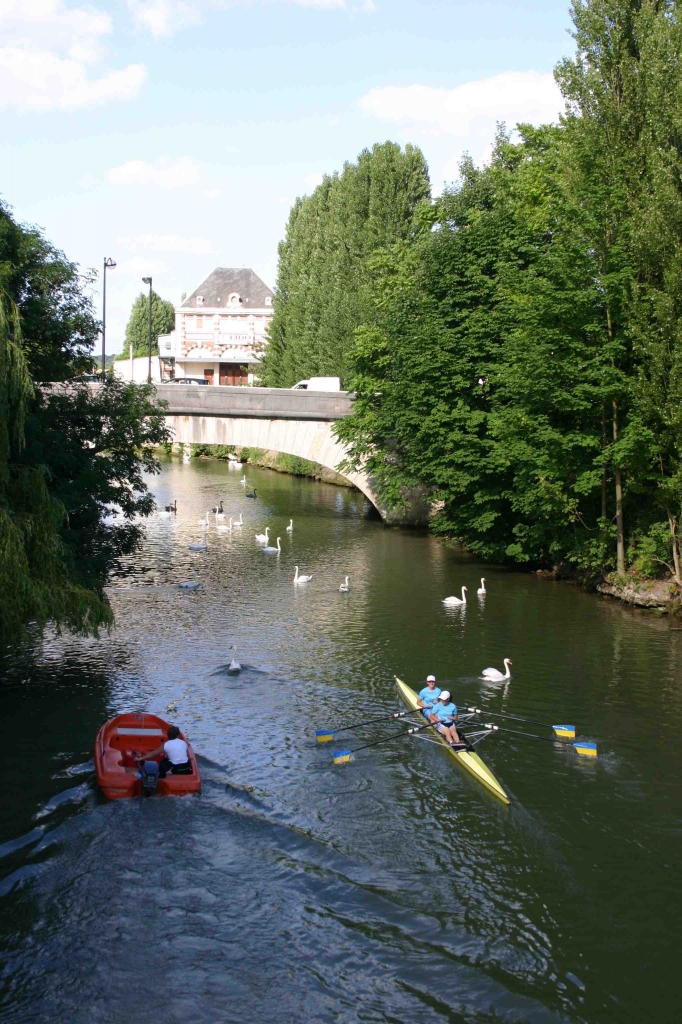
x,y
276,419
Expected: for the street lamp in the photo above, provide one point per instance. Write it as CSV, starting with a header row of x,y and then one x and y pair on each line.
x,y
148,280
109,264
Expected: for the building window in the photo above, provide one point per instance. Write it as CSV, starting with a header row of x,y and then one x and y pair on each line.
x,y
234,299
200,300
268,300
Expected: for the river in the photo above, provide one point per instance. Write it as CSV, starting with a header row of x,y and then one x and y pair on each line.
x,y
391,889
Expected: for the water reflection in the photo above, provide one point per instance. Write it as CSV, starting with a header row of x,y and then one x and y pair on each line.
x,y
393,888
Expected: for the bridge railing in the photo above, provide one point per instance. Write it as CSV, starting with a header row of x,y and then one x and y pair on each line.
x,y
255,403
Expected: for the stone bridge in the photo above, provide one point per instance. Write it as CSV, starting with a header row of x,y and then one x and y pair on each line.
x,y
276,419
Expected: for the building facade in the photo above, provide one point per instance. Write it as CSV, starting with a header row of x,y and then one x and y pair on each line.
x,y
221,329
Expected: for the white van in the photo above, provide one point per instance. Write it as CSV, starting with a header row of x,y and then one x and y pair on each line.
x,y
318,384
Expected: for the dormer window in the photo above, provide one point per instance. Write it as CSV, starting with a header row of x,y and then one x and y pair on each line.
x,y
234,299
268,300
200,300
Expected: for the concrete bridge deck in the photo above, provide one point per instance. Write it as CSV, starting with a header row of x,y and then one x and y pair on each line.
x,y
275,419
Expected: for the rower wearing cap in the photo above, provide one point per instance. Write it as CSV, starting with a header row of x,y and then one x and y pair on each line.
x,y
428,696
443,715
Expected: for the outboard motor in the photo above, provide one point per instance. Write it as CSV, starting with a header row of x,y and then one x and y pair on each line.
x,y
149,777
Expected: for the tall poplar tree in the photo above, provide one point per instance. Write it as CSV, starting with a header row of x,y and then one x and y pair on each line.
x,y
322,292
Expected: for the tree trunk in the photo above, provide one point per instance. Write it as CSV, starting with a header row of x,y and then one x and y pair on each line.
x,y
604,477
676,546
620,524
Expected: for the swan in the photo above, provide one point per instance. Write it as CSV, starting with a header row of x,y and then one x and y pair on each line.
x,y
218,509
345,587
188,585
243,480
204,522
226,529
494,674
251,494
173,507
239,522
456,600
290,527
481,590
199,547
271,550
234,665
186,457
263,538
301,579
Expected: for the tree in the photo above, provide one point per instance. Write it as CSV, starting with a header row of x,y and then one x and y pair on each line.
x,y
137,329
72,458
322,292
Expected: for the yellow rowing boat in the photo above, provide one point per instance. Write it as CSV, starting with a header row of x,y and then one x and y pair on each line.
x,y
468,759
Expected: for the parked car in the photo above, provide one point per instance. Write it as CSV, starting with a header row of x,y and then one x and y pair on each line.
x,y
186,380
318,384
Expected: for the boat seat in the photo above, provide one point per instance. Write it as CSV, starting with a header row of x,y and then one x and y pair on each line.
x,y
124,731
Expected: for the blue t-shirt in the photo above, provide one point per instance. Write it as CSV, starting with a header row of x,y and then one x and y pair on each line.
x,y
444,712
430,697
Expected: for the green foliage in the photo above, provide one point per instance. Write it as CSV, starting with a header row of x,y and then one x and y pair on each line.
x,y
322,293
524,359
72,459
137,329
212,451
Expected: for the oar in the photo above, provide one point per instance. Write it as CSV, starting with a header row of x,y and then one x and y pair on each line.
x,y
584,747
342,756
326,735
565,731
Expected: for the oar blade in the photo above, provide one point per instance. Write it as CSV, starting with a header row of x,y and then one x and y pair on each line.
x,y
565,732
324,736
342,756
585,748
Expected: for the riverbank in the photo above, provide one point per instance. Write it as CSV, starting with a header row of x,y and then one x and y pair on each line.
x,y
265,459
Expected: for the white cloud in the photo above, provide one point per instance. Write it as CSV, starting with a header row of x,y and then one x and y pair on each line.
x,y
165,243
166,17
164,173
211,193
142,267
470,110
47,57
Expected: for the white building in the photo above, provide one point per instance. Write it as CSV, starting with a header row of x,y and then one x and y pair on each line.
x,y
220,330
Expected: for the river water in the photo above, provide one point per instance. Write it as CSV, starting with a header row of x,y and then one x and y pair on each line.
x,y
392,889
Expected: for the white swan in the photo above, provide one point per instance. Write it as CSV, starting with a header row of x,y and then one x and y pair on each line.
x,y
204,522
186,457
290,527
263,538
456,600
188,585
199,547
243,481
234,665
301,579
226,529
239,522
345,587
494,674
481,590
270,550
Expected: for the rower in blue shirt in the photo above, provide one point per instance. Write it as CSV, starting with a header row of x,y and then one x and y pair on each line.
x,y
428,696
443,715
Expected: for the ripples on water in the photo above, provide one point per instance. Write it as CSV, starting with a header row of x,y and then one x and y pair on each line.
x,y
391,889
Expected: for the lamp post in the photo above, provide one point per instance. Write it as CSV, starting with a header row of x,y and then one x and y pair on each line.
x,y
148,280
108,264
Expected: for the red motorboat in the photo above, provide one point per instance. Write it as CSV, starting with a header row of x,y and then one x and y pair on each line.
x,y
121,766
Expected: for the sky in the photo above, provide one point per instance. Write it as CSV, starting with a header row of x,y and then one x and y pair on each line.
x,y
174,135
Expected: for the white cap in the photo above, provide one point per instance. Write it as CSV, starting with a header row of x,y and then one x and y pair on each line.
x,y
444,695
430,679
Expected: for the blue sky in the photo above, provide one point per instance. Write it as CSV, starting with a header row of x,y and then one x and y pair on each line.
x,y
173,135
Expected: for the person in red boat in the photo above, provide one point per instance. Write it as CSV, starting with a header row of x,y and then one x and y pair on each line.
x,y
175,755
